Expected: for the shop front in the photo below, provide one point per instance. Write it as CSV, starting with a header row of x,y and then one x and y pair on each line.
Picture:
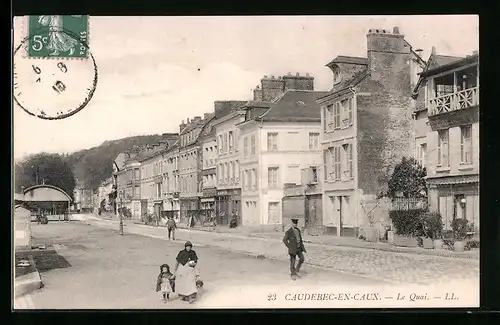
x,y
207,201
455,197
227,204
189,208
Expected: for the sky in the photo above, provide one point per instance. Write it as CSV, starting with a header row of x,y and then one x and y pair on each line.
x,y
155,72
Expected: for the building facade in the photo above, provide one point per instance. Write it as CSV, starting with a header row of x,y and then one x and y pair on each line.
x,y
421,125
277,140
191,164
450,94
209,174
152,181
171,204
228,198
105,200
366,130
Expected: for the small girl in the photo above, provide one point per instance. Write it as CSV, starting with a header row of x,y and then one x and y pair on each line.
x,y
165,282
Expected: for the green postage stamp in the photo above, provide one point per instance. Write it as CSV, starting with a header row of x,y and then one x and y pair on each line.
x,y
58,36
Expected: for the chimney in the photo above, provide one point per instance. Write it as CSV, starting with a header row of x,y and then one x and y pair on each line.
x,y
395,30
475,52
299,82
206,116
387,57
271,88
182,126
433,51
196,119
257,94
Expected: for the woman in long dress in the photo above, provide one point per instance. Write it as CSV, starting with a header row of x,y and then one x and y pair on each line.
x,y
59,41
186,273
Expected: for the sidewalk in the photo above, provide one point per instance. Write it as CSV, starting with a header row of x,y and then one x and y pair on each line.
x,y
330,241
390,266
27,279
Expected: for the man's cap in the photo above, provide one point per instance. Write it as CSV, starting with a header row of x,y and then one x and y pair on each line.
x,y
295,220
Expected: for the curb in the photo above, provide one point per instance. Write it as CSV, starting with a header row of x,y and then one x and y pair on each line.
x,y
384,249
27,283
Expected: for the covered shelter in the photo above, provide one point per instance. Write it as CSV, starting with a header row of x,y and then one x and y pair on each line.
x,y
47,199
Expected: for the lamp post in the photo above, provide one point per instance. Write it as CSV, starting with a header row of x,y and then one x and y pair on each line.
x,y
120,215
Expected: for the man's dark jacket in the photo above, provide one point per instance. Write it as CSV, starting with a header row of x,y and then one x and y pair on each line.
x,y
293,243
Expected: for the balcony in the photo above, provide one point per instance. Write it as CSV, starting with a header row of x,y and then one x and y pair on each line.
x,y
454,101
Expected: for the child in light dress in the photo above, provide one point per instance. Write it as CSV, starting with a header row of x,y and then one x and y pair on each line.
x,y
165,283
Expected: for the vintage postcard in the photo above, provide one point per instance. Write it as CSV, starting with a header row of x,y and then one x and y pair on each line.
x,y
245,162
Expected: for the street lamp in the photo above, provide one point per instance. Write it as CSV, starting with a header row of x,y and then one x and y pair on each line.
x,y
120,215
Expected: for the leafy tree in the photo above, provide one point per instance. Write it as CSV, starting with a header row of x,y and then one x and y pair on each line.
x,y
47,168
407,178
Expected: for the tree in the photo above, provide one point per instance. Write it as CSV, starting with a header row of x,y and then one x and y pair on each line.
x,y
408,178
44,168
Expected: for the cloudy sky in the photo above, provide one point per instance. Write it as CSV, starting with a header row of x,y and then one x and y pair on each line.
x,y
156,71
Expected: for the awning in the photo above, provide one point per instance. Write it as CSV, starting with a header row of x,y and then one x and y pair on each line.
x,y
452,180
207,199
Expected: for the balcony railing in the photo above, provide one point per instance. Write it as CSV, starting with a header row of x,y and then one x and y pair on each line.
x,y
454,101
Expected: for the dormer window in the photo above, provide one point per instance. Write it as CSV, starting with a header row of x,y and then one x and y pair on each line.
x,y
336,75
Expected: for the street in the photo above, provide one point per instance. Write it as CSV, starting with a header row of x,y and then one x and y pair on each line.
x,y
396,268
111,271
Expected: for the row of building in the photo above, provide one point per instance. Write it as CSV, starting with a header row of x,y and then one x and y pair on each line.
x,y
322,156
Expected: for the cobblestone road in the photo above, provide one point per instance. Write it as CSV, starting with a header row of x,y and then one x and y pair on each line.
x,y
386,266
97,268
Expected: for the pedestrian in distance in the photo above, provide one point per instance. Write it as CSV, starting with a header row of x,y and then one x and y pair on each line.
x,y
293,241
165,283
186,273
171,226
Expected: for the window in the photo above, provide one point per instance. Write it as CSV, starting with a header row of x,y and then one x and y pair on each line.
x,y
272,141
248,176
253,144
293,174
349,111
231,141
272,177
314,172
326,154
219,144
245,146
137,191
237,169
233,170
466,144
324,120
336,76
336,116
273,212
254,183
443,148
230,170
421,152
243,180
136,174
158,190
348,159
329,117
226,145
335,152
313,141
220,172
226,172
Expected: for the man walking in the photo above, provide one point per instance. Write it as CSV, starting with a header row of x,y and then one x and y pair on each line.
x,y
293,241
171,226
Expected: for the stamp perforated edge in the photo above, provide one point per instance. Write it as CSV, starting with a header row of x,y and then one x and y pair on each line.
x,y
25,34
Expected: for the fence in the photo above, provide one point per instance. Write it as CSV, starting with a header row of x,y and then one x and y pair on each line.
x,y
409,203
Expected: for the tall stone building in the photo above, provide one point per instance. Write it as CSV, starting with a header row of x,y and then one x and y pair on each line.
x,y
448,92
366,129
